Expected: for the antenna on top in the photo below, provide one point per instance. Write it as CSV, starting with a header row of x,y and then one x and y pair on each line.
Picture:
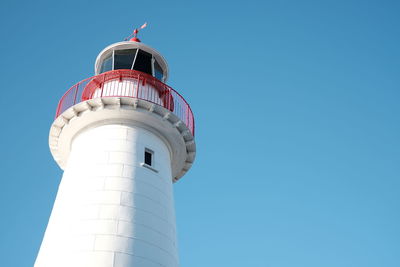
x,y
135,32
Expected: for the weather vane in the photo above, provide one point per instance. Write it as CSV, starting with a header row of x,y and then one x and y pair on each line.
x,y
135,32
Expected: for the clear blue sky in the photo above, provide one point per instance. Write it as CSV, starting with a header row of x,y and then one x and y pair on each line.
x,y
297,112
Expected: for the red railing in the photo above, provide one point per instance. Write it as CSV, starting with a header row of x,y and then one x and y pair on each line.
x,y
128,83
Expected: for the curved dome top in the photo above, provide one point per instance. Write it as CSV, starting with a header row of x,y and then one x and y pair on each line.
x,y
132,55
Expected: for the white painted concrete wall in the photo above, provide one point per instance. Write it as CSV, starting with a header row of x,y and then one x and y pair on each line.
x,y
110,211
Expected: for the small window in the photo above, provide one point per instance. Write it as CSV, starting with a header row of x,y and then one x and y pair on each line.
x,y
148,157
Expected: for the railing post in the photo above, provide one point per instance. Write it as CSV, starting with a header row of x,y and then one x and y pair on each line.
x,y
137,89
102,85
167,97
76,92
59,106
187,114
146,88
193,126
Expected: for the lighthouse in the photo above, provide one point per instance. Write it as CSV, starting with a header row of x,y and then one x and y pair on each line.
x,y
123,138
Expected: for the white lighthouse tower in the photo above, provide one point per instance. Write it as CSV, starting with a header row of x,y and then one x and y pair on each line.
x,y
122,137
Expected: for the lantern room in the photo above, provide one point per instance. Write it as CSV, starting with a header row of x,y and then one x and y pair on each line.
x,y
131,55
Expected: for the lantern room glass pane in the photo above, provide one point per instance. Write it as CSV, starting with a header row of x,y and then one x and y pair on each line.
x,y
143,62
107,64
158,72
123,59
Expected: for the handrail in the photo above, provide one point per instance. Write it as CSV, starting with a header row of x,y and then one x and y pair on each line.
x,y
128,83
